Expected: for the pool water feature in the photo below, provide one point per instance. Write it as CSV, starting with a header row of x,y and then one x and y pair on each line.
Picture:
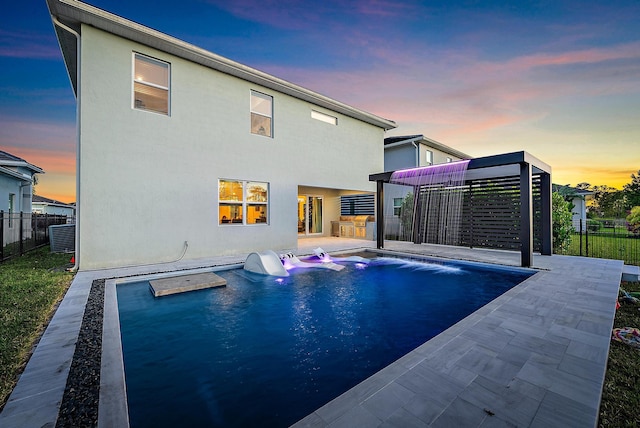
x,y
267,351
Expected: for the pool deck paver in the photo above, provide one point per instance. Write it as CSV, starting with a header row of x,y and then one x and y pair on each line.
x,y
536,356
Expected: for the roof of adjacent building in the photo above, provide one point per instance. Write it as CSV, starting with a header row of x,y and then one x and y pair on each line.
x,y
48,201
73,13
9,161
573,190
419,138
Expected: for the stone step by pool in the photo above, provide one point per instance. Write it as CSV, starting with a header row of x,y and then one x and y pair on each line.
x,y
184,283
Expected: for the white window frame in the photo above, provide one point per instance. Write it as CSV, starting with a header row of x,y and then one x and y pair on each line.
x,y
428,157
397,209
267,97
135,80
323,117
12,207
244,203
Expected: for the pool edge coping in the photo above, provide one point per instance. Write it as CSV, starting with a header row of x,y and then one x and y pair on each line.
x,y
112,378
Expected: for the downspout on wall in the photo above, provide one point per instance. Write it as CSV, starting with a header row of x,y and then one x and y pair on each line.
x,y
56,22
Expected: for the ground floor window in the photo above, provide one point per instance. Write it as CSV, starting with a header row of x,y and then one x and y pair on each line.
x,y
243,202
397,206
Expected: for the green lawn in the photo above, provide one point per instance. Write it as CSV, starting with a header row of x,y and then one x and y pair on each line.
x,y
30,288
607,246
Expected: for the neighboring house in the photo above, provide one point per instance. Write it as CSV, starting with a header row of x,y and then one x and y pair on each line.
x,y
17,178
184,150
417,150
579,199
404,152
579,211
42,205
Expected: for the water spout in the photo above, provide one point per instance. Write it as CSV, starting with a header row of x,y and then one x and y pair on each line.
x,y
438,192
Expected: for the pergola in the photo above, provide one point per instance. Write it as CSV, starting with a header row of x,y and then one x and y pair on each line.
x,y
523,223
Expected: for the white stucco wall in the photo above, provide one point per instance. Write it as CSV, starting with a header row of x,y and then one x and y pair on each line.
x,y
149,182
579,213
399,157
439,156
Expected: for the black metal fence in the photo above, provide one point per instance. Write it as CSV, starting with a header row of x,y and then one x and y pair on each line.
x,y
23,232
605,239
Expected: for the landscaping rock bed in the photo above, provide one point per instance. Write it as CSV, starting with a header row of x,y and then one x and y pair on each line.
x,y
79,406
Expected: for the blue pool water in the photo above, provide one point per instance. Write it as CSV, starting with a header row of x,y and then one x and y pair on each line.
x,y
266,352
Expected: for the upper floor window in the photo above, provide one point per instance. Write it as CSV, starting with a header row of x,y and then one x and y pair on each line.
x,y
150,84
429,157
449,160
324,117
261,114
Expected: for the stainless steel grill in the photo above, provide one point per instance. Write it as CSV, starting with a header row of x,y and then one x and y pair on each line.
x,y
354,226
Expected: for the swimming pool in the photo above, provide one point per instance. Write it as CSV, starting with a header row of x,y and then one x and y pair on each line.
x,y
268,352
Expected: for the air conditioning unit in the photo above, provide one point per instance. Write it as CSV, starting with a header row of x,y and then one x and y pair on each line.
x,y
62,238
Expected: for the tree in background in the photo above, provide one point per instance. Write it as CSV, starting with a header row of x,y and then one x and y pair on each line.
x,y
568,193
632,191
562,227
633,220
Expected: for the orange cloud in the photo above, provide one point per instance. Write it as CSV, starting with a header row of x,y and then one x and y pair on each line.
x,y
58,181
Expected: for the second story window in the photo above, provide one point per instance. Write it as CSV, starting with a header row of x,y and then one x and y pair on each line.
x,y
429,157
261,114
150,84
324,117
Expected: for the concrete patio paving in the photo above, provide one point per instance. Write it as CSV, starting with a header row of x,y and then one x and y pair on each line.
x,y
536,356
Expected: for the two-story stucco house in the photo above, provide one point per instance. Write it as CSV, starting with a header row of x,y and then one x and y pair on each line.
x,y
180,148
413,151
17,177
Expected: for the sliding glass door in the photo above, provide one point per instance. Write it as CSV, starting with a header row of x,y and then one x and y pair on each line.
x,y
309,215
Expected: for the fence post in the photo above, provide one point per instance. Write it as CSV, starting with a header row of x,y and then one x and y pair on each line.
x,y
1,235
586,238
580,237
20,234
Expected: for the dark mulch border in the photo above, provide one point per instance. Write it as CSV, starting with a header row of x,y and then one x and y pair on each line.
x,y
79,407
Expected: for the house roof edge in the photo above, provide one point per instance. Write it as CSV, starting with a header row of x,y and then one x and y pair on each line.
x,y
74,13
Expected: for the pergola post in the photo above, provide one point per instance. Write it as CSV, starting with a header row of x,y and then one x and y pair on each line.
x,y
526,215
546,238
380,214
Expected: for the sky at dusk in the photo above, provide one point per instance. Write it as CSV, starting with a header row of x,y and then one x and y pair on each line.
x,y
558,79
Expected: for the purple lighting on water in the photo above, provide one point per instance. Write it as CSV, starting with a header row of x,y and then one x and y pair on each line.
x,y
437,198
444,173
287,264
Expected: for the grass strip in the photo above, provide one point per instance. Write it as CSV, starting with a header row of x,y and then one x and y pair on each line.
x,y
31,286
621,391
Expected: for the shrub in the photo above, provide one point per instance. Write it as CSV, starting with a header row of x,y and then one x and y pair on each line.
x,y
562,227
633,220
594,225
